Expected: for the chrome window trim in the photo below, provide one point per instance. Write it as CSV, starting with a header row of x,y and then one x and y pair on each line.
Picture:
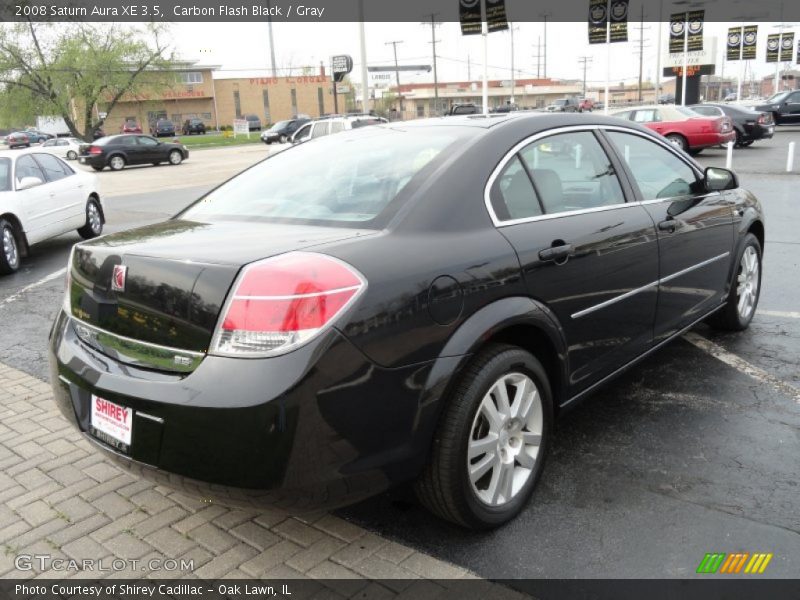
x,y
487,198
655,283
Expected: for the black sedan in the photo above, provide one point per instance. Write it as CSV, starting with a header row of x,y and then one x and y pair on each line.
x,y
282,131
784,106
750,125
409,302
118,151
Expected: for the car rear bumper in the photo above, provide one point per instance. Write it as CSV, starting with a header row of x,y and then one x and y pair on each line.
x,y
759,132
92,160
706,140
319,427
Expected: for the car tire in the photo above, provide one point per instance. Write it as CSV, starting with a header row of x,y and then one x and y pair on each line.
x,y
467,482
747,143
678,140
740,306
695,151
94,220
283,139
9,248
116,162
739,142
72,155
175,157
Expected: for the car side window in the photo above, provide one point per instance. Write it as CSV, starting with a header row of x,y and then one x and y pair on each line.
x,y
146,141
337,126
647,116
49,143
512,193
303,132
571,171
624,115
794,98
658,172
320,129
51,166
27,167
708,111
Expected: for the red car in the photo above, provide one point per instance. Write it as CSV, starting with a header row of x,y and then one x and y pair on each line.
x,y
18,138
682,126
586,105
130,127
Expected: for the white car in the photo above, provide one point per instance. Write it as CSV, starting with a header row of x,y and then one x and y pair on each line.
x,y
329,125
65,147
41,197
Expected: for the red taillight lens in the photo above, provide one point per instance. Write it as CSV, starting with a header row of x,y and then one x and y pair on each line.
x,y
282,302
95,150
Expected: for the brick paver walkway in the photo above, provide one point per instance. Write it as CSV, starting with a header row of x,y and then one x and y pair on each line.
x,y
59,497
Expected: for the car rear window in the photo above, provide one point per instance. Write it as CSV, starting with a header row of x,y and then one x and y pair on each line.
x,y
349,178
5,174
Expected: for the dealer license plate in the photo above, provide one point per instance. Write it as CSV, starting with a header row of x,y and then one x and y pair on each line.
x,y
112,423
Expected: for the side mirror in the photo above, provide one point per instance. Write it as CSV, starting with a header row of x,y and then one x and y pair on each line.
x,y
718,179
27,183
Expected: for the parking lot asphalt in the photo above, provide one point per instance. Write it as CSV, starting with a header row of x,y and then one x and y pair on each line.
x,y
693,451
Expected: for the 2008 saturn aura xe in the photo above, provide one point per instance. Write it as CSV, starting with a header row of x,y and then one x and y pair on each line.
x,y
411,301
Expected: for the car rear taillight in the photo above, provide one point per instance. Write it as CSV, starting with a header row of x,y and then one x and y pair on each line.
x,y
281,303
95,150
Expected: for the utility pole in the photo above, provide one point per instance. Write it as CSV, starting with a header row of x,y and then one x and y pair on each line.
x,y
397,72
435,76
362,38
584,61
544,15
538,57
511,28
469,68
271,43
641,29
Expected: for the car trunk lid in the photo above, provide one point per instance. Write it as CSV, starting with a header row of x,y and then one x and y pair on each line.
x,y
165,284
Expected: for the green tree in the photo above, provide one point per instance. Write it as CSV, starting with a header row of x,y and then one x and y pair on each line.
x,y
68,70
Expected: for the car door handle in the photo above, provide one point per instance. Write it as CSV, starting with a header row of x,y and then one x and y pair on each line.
x,y
669,225
556,253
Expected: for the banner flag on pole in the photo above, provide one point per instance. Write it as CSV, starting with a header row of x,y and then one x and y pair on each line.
x,y
598,17
749,40
677,22
695,20
734,43
619,21
787,45
773,44
469,15
496,19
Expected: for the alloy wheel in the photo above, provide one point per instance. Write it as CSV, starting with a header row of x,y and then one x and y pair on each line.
x,y
505,439
175,157
117,163
93,218
10,248
747,282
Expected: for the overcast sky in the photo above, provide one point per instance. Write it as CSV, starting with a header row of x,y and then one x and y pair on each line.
x,y
240,47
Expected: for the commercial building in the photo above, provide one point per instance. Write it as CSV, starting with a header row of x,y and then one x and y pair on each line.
x,y
202,91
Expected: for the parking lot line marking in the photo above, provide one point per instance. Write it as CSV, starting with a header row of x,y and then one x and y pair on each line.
x,y
790,314
19,293
742,365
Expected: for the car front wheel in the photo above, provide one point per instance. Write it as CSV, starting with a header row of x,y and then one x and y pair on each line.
x,y
72,155
9,251
745,290
175,157
490,445
94,221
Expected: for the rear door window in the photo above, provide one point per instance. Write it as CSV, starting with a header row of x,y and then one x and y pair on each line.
x,y
27,167
571,171
513,195
320,129
51,166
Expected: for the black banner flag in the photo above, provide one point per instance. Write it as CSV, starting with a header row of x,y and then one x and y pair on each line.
x,y
469,14
677,24
749,40
618,15
695,21
773,44
598,17
787,45
734,43
496,19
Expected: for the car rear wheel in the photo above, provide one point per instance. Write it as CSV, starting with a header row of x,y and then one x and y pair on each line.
x,y
9,250
745,290
175,157
489,448
116,162
94,221
679,141
747,143
72,155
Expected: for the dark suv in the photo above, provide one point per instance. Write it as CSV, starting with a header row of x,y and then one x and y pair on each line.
x,y
163,127
191,126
